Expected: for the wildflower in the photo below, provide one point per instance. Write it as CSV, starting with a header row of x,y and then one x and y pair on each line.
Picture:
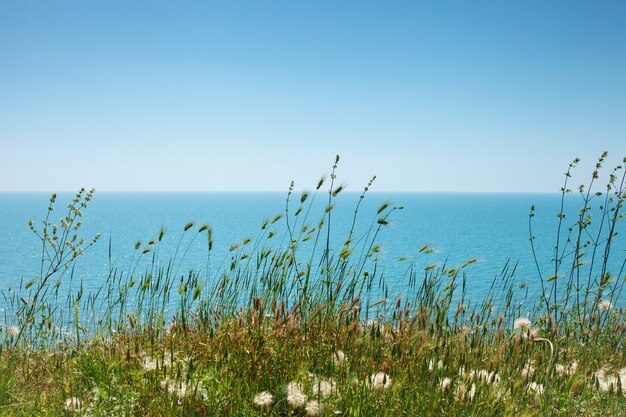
x,y
339,358
609,383
521,323
323,387
263,399
13,331
445,383
431,364
379,381
602,381
528,370
314,408
537,388
531,334
566,370
73,404
461,393
472,392
482,375
149,363
605,305
295,395
560,369
173,387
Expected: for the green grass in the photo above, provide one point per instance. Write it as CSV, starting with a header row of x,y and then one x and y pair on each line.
x,y
286,326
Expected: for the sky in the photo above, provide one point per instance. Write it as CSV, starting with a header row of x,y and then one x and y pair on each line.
x,y
477,96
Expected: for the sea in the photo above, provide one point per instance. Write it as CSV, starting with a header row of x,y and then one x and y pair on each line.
x,y
491,228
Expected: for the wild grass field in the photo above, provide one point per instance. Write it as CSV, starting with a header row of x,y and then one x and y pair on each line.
x,y
288,325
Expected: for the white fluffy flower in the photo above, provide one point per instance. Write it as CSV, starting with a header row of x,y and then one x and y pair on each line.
x,y
445,383
537,388
485,376
566,370
73,404
177,388
521,323
339,358
314,408
323,387
13,331
461,393
149,363
609,382
605,305
379,381
431,364
528,370
295,395
263,399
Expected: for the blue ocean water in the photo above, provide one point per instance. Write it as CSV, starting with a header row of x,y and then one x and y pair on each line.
x,y
490,227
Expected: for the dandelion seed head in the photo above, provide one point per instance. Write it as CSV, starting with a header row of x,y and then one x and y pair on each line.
x,y
149,364
295,395
431,364
13,331
485,376
445,383
536,388
73,404
178,388
323,387
339,358
610,382
461,393
521,323
314,408
263,399
528,370
472,392
605,305
379,381
532,334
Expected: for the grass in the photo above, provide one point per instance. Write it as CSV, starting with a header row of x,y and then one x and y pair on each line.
x,y
288,325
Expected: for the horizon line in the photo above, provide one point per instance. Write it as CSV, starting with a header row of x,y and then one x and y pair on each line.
x,y
281,191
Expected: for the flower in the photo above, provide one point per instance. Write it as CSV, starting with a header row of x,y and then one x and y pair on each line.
x,y
485,376
339,358
323,387
609,382
461,392
13,331
537,388
314,408
605,305
472,392
521,323
175,387
149,363
566,370
73,404
263,399
445,383
560,369
379,381
295,395
431,364
528,370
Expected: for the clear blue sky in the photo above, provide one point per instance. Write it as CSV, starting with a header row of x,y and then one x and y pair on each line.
x,y
234,95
